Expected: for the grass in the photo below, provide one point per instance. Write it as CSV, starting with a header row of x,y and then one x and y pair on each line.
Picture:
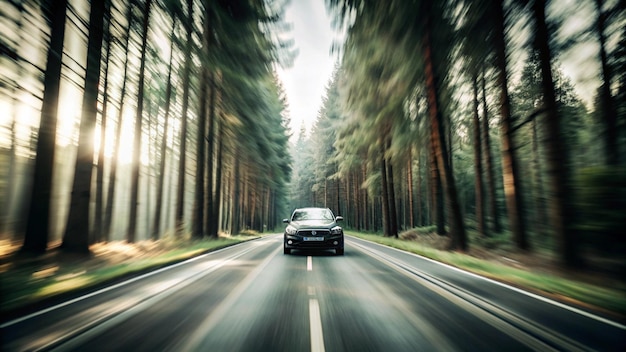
x,y
26,281
608,299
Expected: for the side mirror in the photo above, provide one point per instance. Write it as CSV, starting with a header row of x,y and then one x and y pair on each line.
x,y
339,218
286,221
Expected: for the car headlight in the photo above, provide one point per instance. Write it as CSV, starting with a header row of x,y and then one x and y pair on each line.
x,y
336,230
290,230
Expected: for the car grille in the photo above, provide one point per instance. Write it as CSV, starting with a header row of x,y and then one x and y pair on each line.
x,y
309,233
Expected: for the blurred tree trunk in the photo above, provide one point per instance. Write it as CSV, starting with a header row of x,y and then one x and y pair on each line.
x,y
156,225
411,198
235,217
437,209
110,199
134,187
538,192
76,237
457,227
419,194
492,204
561,212
219,169
510,173
384,194
608,110
210,161
38,224
97,233
393,213
182,170
198,204
478,164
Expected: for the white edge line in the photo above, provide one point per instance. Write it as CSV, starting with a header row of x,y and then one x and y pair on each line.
x,y
123,283
513,288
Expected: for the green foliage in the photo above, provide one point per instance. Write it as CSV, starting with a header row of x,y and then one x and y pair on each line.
x,y
29,282
601,204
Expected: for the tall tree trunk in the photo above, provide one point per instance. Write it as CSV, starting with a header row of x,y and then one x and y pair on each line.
x,y
393,213
492,204
608,111
38,224
510,173
561,212
437,209
409,184
108,211
156,226
210,160
541,220
76,237
235,228
384,194
419,193
478,165
97,234
134,187
182,171
457,228
218,181
198,205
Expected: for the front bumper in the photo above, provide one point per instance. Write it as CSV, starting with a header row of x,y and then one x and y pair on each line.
x,y
298,241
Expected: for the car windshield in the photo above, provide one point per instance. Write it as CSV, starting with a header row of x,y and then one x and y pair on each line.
x,y
312,214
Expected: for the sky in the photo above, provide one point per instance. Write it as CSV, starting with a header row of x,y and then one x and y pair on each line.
x,y
305,82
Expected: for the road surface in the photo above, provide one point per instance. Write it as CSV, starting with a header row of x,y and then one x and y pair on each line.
x,y
251,297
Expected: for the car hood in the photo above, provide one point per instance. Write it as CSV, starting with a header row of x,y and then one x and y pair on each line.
x,y
313,224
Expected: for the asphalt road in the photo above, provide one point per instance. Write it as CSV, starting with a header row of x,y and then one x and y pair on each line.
x,y
251,297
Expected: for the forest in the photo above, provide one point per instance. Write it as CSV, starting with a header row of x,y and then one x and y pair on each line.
x,y
138,120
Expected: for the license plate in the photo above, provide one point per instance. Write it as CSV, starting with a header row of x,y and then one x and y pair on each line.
x,y
313,238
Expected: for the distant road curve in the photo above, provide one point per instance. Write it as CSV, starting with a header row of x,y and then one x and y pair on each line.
x,y
251,297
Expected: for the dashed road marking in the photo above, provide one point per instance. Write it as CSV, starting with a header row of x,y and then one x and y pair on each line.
x,y
317,336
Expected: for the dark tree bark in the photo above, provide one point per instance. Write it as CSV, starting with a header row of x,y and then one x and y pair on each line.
x,y
478,165
76,237
538,192
510,173
437,209
385,195
180,193
197,229
393,213
419,193
217,207
108,211
211,229
608,111
457,227
156,225
492,204
561,212
235,217
97,233
411,198
38,224
134,187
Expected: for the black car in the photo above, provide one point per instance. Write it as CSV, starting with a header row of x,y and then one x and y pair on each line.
x,y
313,228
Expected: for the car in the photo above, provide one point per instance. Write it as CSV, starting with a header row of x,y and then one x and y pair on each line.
x,y
313,228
